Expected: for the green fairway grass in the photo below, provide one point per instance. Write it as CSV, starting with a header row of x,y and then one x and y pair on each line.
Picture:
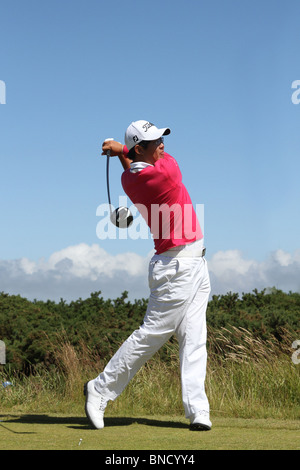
x,y
61,432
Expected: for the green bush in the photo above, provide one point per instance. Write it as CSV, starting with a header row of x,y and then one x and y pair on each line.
x,y
31,330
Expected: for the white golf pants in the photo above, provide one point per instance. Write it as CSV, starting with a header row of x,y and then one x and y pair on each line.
x,y
179,291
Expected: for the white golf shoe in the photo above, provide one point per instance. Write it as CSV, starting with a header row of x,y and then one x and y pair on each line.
x,y
95,405
200,421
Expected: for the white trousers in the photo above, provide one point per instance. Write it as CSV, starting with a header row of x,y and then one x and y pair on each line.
x,y
179,291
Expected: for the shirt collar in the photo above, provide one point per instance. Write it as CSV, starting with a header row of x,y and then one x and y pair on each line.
x,y
138,166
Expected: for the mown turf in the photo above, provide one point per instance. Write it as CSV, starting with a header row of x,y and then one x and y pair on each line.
x,y
61,432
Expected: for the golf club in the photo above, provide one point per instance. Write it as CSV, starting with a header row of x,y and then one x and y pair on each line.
x,y
120,217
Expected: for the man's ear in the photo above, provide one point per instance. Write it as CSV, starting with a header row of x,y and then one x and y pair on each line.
x,y
139,150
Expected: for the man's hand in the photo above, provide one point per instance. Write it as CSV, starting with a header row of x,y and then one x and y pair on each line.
x,y
116,148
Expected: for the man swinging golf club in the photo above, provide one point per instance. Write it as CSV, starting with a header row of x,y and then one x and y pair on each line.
x,y
178,277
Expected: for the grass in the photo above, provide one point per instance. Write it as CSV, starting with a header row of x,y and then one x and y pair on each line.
x,y
252,384
63,432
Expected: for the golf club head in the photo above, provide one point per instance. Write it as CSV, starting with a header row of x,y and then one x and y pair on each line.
x,y
121,217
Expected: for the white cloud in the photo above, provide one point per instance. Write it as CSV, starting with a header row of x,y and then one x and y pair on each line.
x,y
224,262
230,271
75,272
84,261
78,270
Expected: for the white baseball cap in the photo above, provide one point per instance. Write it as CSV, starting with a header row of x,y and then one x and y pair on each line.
x,y
143,130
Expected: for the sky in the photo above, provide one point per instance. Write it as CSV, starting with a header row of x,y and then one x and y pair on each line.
x,y
224,75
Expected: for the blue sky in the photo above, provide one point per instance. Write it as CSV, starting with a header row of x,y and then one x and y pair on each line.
x,y
218,73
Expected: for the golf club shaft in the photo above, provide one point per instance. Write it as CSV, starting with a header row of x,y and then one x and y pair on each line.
x,y
107,175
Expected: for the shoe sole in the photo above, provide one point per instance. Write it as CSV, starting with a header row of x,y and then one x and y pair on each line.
x,y
199,427
85,393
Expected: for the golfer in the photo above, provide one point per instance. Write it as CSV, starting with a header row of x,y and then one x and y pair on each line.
x,y
178,277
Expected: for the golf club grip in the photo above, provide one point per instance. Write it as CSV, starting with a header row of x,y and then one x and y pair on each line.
x,y
107,173
107,177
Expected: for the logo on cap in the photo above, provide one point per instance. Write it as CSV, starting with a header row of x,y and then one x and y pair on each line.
x,y
147,126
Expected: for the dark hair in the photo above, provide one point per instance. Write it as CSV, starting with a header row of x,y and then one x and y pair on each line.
x,y
132,155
